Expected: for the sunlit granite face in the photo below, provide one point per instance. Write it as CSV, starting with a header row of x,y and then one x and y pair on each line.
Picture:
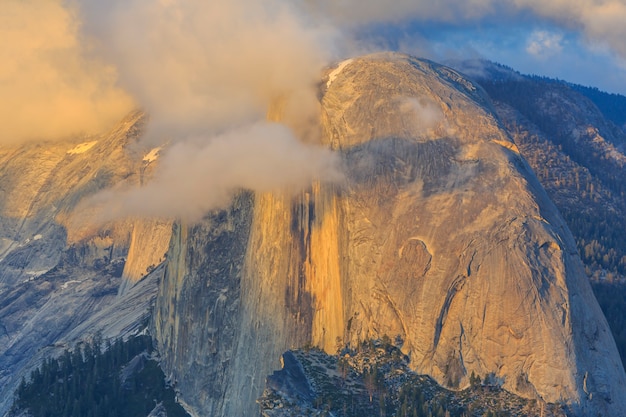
x,y
440,233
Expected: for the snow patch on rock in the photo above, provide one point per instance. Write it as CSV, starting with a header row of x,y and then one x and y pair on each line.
x,y
153,155
334,73
82,148
33,275
66,284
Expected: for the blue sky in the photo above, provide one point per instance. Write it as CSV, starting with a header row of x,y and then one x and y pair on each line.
x,y
541,49
528,45
582,41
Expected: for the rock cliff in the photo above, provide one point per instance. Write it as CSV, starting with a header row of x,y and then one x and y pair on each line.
x,y
440,233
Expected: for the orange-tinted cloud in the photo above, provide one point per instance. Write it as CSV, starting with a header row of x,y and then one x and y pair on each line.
x,y
200,67
196,176
208,73
49,85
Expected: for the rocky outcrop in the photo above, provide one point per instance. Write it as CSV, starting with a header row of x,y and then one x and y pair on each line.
x,y
148,245
440,234
199,315
61,279
374,379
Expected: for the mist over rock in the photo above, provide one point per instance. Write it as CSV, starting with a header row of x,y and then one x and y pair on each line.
x,y
440,233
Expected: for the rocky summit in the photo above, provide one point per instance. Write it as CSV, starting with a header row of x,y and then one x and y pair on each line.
x,y
440,235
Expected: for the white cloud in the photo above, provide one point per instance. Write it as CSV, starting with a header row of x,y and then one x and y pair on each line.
x,y
543,43
424,115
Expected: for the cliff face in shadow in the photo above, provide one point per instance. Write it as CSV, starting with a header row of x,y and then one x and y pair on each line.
x,y
440,233
60,281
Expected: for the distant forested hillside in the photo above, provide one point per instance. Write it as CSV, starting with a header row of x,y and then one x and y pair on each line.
x,y
613,106
570,137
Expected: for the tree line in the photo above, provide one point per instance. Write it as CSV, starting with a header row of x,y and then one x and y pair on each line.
x,y
96,379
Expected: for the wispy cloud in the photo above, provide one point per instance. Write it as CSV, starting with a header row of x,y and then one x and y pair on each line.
x,y
208,73
201,67
198,176
600,21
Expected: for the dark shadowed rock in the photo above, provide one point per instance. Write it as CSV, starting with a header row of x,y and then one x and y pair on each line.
x,y
291,379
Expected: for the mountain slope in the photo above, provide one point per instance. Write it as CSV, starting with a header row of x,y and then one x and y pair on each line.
x,y
577,153
59,280
441,234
